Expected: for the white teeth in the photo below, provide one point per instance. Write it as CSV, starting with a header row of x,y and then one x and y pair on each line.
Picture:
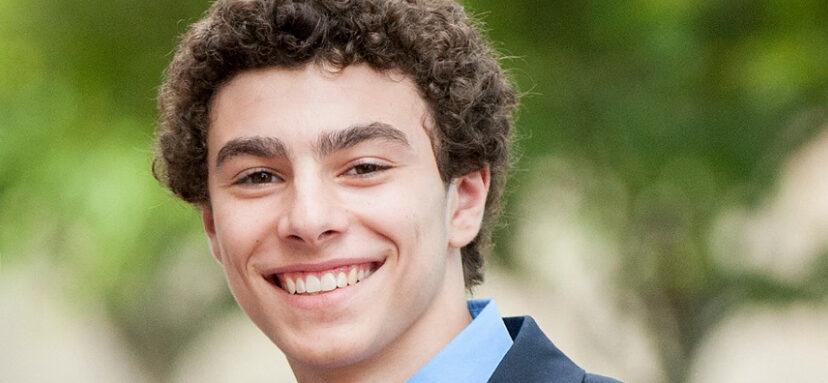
x,y
328,282
341,279
290,285
312,284
352,276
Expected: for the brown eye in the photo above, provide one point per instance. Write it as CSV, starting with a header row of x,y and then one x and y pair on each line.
x,y
259,177
366,169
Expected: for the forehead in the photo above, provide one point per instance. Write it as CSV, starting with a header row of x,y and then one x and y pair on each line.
x,y
296,105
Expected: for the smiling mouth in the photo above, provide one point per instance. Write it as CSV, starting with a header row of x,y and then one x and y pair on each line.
x,y
319,282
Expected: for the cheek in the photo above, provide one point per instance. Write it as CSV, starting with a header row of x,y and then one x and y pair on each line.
x,y
399,204
412,217
240,229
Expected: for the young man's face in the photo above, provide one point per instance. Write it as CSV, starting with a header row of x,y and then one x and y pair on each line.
x,y
327,182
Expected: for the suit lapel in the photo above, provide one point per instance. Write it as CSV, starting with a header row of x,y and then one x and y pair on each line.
x,y
533,358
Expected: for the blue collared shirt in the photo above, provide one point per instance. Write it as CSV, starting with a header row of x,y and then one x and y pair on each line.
x,y
474,354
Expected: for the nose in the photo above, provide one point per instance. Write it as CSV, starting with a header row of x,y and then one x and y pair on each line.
x,y
314,213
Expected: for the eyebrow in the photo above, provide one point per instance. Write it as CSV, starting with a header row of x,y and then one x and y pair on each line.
x,y
328,142
258,146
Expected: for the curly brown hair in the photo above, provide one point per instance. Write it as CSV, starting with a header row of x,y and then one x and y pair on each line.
x,y
434,42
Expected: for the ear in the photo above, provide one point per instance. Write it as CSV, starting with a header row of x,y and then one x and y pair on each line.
x,y
210,229
467,203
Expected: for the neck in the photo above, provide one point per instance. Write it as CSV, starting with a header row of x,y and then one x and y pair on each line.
x,y
446,317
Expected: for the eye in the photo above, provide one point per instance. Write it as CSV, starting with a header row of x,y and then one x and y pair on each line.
x,y
258,177
366,169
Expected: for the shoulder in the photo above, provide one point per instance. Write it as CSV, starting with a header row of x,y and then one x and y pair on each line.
x,y
592,378
533,358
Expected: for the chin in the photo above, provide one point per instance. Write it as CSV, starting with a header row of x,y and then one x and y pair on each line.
x,y
329,352
327,346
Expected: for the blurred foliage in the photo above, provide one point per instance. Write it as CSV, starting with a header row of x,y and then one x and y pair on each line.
x,y
685,107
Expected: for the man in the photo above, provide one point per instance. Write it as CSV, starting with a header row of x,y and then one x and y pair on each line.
x,y
345,156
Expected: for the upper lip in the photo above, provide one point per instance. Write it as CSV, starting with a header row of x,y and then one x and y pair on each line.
x,y
321,266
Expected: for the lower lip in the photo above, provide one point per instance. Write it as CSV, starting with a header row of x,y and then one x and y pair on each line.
x,y
323,300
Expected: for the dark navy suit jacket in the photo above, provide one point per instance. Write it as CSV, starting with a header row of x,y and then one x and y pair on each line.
x,y
533,358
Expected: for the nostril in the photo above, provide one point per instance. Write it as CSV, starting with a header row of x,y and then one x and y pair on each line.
x,y
295,237
326,234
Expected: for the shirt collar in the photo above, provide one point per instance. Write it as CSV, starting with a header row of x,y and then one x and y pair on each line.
x,y
474,354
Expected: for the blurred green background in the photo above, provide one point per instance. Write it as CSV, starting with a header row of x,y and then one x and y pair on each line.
x,y
668,128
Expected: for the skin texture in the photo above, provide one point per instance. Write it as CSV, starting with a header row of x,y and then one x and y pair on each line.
x,y
379,199
434,42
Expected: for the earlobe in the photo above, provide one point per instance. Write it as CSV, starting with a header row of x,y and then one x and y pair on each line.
x,y
470,192
207,221
209,224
